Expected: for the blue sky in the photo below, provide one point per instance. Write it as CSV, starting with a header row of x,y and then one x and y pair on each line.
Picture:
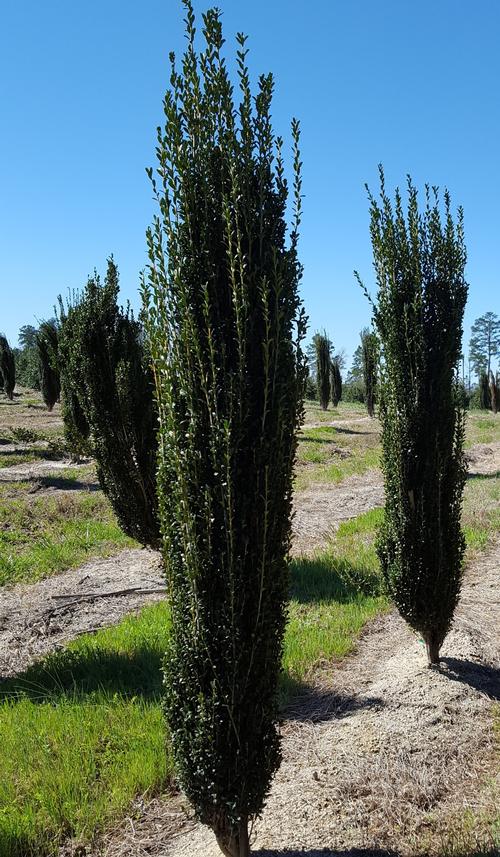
x,y
412,84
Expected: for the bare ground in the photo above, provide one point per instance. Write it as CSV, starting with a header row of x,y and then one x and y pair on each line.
x,y
381,754
321,508
33,622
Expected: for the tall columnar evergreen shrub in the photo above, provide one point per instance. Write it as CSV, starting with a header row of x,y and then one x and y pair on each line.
x,y
76,426
226,327
323,363
419,263
107,366
484,392
493,392
369,350
7,367
335,382
48,362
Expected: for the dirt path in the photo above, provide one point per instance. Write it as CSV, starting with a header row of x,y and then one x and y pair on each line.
x,y
379,753
31,470
33,622
323,506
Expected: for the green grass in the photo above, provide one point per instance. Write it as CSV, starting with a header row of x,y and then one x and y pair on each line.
x,y
40,537
330,454
481,427
82,733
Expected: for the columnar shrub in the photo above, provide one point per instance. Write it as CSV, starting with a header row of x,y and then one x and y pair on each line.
x,y
107,367
493,392
7,367
335,382
484,392
323,365
369,350
48,362
419,263
226,327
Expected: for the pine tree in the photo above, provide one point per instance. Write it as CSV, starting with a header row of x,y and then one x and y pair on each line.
x,y
226,327
323,348
419,261
106,370
7,367
369,351
48,362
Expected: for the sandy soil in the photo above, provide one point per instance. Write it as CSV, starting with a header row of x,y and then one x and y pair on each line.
x,y
323,506
483,458
33,622
380,751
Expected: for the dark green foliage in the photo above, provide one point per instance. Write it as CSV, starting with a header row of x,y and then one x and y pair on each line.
x,y
7,367
335,382
104,363
76,426
323,348
226,326
419,262
27,370
48,364
369,352
484,392
484,343
493,384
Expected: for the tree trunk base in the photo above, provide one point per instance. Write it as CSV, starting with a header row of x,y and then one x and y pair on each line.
x,y
432,648
234,844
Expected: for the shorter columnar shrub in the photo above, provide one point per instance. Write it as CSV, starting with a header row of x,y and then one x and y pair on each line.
x,y
48,362
323,363
107,376
419,262
7,367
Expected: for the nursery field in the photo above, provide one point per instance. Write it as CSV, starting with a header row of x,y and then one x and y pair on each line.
x,y
381,754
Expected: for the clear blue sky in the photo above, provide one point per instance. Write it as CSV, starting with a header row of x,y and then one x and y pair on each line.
x,y
414,85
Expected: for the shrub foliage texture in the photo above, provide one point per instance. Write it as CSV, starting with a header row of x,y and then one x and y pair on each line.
x,y
369,350
106,369
7,367
48,364
323,368
419,263
226,328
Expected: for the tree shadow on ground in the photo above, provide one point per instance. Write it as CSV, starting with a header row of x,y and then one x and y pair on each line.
x,y
312,704
63,484
89,672
328,852
494,475
324,579
482,677
343,430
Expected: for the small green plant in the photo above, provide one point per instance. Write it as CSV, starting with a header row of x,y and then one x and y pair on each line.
x,y
25,435
226,327
7,367
418,313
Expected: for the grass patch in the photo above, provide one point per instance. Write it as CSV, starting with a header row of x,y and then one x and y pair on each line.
x,y
44,536
481,427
